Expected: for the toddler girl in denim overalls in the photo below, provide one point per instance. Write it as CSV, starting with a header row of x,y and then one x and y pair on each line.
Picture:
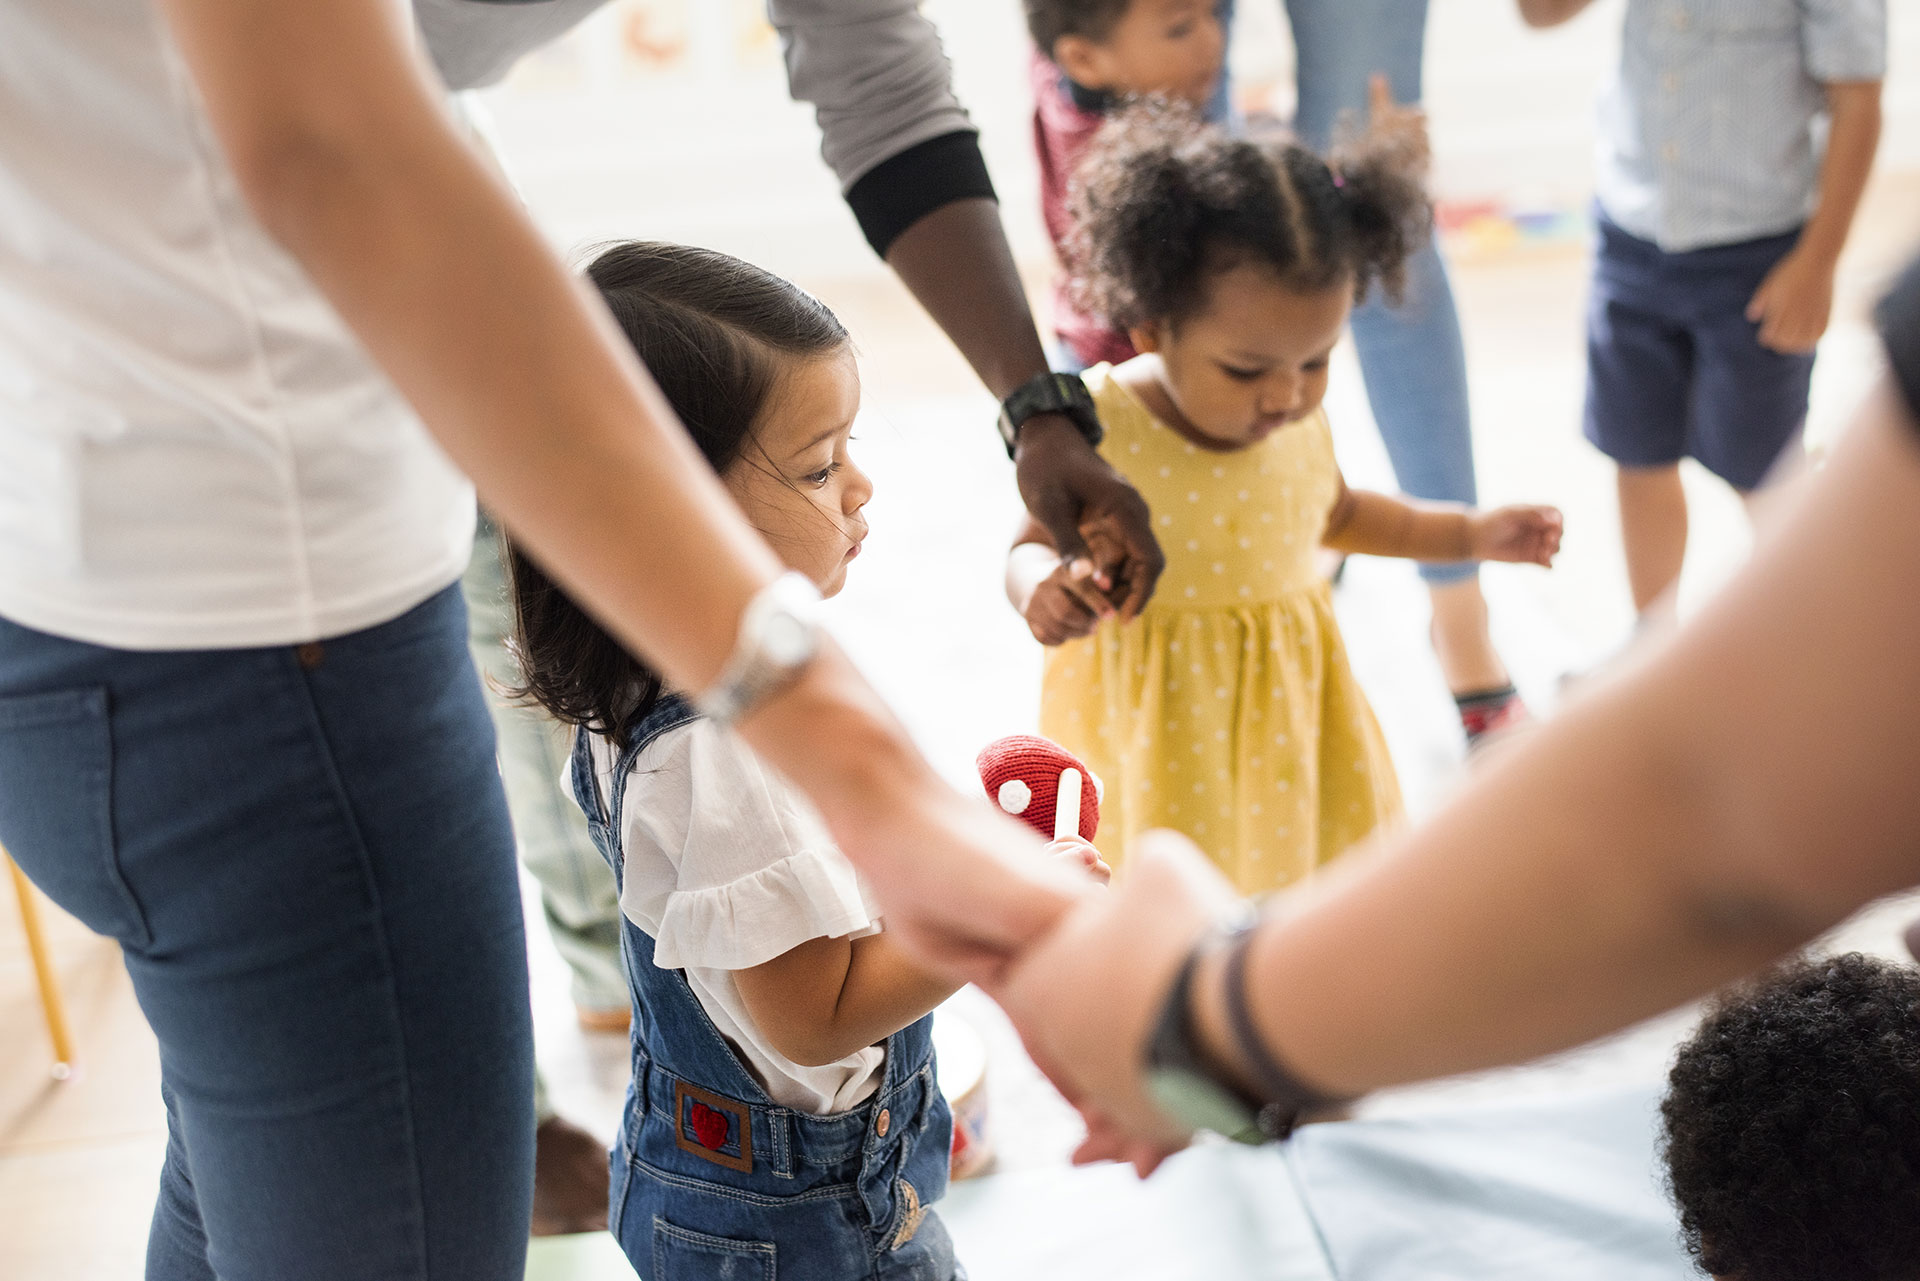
x,y
784,1122
715,1174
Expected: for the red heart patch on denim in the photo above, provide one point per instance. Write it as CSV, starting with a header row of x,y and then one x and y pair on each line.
x,y
709,1126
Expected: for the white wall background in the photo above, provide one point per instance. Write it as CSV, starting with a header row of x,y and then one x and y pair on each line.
x,y
704,145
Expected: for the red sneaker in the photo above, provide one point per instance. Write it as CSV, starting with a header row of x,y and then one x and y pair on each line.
x,y
1490,712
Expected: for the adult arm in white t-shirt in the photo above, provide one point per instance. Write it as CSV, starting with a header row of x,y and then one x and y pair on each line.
x,y
343,150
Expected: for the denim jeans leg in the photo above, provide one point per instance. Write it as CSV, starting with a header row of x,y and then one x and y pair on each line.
x,y
177,1242
1411,355
307,860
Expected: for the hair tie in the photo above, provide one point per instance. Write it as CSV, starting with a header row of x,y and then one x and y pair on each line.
x,y
1338,181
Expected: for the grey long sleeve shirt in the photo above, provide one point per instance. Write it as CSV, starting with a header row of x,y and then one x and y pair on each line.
x,y
874,71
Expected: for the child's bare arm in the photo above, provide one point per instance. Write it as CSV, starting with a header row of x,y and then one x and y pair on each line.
x,y
1390,525
1793,303
1549,13
828,998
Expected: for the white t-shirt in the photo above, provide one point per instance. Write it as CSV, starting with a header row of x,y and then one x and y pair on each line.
x,y
194,451
727,867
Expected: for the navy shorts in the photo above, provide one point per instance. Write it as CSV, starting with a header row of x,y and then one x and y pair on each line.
x,y
1674,367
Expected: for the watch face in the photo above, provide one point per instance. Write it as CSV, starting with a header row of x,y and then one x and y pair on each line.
x,y
1193,1101
788,641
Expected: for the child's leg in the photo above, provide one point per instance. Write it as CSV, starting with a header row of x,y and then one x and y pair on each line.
x,y
1640,389
1411,355
1461,639
1653,531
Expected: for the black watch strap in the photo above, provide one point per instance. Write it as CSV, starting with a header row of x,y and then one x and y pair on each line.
x,y
1283,1094
1049,393
1172,1044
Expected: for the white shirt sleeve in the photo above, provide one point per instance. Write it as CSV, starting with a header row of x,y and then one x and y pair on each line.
x,y
727,865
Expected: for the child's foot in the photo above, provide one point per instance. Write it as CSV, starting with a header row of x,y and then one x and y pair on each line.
x,y
569,1180
1489,712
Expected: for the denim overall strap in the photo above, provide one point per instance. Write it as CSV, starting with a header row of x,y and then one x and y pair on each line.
x,y
671,1029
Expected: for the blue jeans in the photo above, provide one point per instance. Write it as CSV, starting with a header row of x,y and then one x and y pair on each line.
x,y
1411,354
305,856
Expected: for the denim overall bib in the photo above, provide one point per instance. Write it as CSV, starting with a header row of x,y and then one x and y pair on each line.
x,y
711,1178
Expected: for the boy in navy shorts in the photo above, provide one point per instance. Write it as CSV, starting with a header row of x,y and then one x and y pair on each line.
x,y
1734,143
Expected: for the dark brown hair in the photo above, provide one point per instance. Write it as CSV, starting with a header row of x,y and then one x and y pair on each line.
x,y
1164,202
715,333
1048,20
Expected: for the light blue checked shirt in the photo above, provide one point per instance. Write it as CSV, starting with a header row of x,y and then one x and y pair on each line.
x,y
1712,131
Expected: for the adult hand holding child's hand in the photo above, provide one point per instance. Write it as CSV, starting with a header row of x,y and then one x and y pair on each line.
x,y
1074,493
1086,994
1067,604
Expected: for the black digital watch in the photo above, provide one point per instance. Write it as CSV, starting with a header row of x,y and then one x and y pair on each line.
x,y
1049,393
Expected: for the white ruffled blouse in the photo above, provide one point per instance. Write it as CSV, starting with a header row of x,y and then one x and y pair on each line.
x,y
727,867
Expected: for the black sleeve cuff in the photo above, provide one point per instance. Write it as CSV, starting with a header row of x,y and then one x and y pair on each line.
x,y
1899,317
902,190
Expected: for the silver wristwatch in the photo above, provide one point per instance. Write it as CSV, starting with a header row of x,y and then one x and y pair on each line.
x,y
779,635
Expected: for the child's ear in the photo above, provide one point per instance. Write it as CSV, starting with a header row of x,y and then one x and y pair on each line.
x,y
1144,338
1084,61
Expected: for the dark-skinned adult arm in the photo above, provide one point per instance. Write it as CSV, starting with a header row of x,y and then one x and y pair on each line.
x,y
909,164
957,263
339,144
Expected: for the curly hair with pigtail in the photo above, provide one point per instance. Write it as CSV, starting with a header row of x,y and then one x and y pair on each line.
x,y
1163,203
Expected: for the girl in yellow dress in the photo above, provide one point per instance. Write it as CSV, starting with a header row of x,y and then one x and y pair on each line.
x,y
1226,710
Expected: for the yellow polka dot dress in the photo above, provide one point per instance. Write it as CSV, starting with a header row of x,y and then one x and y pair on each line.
x,y
1226,711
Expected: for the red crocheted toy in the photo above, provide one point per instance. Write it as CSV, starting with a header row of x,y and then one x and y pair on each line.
x,y
1022,774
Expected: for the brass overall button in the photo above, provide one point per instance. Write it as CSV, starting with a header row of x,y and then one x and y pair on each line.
x,y
882,1122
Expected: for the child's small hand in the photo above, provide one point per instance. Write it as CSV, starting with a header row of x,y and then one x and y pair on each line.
x,y
1081,855
1522,534
1403,122
1792,304
1067,604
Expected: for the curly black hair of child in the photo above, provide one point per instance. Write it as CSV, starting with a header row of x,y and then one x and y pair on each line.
x,y
1792,1123
1164,202
1048,20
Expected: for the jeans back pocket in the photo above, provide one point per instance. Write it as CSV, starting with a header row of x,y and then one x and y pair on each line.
x,y
681,1254
56,806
